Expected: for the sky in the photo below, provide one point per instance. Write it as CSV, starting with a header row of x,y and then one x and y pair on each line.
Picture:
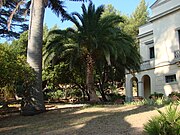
x,y
124,6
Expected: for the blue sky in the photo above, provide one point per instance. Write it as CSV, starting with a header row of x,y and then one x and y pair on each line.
x,y
124,6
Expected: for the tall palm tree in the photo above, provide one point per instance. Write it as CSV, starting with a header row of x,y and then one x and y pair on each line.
x,y
101,38
34,51
98,38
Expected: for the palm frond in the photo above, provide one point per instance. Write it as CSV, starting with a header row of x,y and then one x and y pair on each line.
x,y
57,7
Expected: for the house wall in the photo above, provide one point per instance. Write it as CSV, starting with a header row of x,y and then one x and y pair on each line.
x,y
165,43
139,77
162,30
163,6
160,84
165,38
157,81
144,49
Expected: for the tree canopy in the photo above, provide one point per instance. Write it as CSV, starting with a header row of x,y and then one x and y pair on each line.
x,y
13,20
96,39
139,17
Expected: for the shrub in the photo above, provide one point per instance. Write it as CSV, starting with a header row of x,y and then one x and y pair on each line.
x,y
75,93
166,123
156,95
16,76
113,97
55,95
139,102
174,96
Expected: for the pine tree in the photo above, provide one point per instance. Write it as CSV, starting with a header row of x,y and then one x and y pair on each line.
x,y
12,19
138,18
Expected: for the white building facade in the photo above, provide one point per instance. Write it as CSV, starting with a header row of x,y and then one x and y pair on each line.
x,y
160,51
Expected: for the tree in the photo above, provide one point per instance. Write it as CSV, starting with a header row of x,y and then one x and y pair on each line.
x,y
21,43
14,71
138,18
99,39
93,35
34,51
62,57
16,23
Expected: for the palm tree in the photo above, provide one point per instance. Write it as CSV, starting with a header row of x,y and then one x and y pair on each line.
x,y
34,51
97,38
102,39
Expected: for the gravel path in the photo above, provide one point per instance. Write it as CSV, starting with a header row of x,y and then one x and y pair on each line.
x,y
75,120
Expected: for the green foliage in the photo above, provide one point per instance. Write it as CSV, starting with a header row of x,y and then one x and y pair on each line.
x,y
138,18
20,45
139,102
158,99
75,93
174,94
167,123
109,9
97,34
156,95
55,95
18,20
140,15
14,70
114,96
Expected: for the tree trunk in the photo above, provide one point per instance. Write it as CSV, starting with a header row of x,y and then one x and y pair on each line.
x,y
90,79
34,103
101,89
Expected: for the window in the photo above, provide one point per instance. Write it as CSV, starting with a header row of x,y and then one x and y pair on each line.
x,y
151,52
170,78
179,36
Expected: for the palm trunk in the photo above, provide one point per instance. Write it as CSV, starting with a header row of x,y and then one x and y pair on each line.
x,y
90,79
35,104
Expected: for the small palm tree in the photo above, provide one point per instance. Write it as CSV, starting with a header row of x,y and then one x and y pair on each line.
x,y
167,123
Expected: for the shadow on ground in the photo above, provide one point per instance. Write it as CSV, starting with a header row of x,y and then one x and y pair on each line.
x,y
109,120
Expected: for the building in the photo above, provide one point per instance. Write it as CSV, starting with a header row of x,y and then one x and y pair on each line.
x,y
160,51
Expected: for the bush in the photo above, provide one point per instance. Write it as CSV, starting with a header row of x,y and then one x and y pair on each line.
x,y
166,123
55,95
174,96
75,93
16,76
156,95
113,97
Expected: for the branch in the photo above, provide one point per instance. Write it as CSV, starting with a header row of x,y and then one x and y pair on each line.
x,y
12,14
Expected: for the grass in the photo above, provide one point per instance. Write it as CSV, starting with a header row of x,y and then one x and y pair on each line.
x,y
92,120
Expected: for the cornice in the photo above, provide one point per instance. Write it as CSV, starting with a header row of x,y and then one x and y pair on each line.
x,y
156,4
164,13
145,34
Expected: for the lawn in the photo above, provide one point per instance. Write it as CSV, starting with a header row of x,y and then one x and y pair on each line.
x,y
77,120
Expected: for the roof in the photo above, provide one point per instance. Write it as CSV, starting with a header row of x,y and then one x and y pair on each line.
x,y
158,3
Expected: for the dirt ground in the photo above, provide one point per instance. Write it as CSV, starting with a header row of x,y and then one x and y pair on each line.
x,y
79,120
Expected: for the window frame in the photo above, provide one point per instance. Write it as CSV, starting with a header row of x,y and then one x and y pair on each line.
x,y
151,52
178,32
170,78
